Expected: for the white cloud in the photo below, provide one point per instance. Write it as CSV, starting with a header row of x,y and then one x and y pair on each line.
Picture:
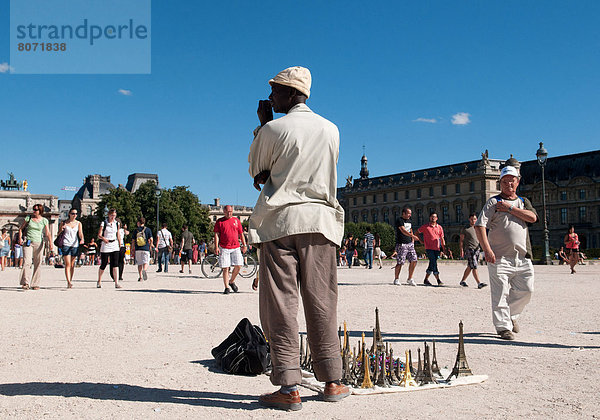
x,y
426,120
461,118
5,68
125,92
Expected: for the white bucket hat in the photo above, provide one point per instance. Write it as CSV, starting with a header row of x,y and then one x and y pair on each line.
x,y
297,77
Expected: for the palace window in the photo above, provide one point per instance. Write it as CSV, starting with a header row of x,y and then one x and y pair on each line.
x,y
459,215
375,218
364,199
443,190
419,217
563,216
385,197
354,201
471,186
355,218
582,194
395,195
563,196
406,194
386,216
365,217
431,191
457,188
374,198
419,193
445,217
582,214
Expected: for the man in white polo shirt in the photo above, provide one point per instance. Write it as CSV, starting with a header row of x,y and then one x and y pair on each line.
x,y
508,251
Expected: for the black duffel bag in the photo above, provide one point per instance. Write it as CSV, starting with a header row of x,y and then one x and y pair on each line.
x,y
244,352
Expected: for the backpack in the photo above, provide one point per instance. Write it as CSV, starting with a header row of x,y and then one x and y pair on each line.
x,y
244,352
140,238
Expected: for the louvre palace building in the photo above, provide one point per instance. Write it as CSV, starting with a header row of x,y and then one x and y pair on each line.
x,y
456,190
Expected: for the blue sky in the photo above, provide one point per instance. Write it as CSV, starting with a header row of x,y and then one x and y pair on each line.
x,y
419,84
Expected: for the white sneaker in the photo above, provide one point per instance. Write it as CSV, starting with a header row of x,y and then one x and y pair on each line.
x,y
396,282
411,282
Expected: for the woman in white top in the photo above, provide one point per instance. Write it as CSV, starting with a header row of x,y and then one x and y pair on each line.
x,y
109,250
72,239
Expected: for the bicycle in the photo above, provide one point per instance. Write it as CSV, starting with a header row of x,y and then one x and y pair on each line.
x,y
210,266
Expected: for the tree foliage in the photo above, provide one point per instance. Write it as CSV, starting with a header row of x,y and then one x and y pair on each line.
x,y
177,206
385,231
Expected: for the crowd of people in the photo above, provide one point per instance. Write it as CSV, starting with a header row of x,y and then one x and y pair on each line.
x,y
113,246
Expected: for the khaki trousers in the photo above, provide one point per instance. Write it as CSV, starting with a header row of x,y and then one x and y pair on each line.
x,y
305,261
32,253
511,287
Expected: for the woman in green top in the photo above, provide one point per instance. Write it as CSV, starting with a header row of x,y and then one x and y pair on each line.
x,y
33,249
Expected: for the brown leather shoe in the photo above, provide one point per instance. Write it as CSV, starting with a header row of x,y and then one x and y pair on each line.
x,y
289,402
334,392
506,335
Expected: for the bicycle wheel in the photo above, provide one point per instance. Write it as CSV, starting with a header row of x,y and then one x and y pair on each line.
x,y
210,267
249,269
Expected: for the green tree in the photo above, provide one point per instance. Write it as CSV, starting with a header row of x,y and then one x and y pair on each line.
x,y
385,231
192,213
177,206
123,202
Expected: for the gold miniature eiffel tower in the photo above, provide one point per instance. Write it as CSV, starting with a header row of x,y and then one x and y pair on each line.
x,y
461,367
407,379
366,383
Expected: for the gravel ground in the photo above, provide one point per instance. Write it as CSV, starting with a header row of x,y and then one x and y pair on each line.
x,y
144,351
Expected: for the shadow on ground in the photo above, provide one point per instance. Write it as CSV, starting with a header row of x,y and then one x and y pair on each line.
x,y
175,291
134,393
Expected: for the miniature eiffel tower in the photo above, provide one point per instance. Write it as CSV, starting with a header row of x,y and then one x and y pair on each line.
x,y
410,365
347,374
394,379
381,378
378,344
419,374
434,364
427,373
407,379
366,383
461,367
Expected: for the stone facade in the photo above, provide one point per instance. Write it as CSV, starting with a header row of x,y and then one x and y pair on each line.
x,y
16,205
215,211
135,180
454,191
89,195
572,197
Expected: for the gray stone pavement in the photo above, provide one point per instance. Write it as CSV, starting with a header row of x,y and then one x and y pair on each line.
x,y
144,351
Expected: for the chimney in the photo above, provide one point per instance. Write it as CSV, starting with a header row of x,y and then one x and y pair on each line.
x,y
217,201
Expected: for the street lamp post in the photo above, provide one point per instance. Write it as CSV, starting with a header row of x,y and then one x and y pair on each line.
x,y
157,191
542,156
